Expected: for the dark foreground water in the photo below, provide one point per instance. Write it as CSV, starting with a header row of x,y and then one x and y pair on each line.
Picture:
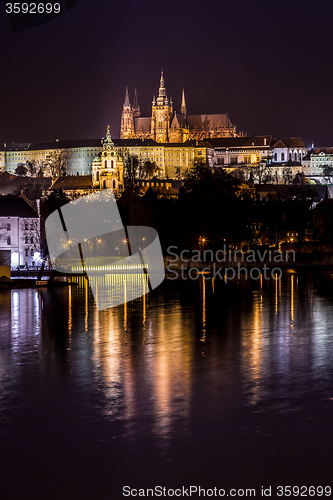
x,y
196,383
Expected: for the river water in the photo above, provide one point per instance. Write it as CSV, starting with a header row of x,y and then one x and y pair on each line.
x,y
197,383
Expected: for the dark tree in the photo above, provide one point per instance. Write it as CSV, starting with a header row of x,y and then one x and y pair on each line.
x,y
21,170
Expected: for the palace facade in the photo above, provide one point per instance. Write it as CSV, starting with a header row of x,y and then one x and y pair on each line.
x,y
172,159
167,126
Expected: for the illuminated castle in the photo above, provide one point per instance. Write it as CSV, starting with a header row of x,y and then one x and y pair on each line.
x,y
165,125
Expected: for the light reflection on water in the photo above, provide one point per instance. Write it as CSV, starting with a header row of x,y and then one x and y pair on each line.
x,y
153,338
190,362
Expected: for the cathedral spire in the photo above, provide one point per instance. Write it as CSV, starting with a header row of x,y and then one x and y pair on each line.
x,y
136,107
127,102
183,106
161,91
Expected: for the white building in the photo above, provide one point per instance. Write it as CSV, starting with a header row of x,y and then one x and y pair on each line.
x,y
315,162
278,154
288,149
20,230
79,154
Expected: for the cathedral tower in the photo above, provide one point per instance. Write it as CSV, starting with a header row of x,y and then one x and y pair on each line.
x,y
127,122
162,112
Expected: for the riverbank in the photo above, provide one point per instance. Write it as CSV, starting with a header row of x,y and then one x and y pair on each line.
x,y
291,260
6,284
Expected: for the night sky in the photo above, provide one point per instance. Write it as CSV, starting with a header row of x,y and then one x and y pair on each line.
x,y
268,63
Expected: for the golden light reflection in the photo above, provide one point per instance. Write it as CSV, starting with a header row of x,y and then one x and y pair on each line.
x,y
252,349
276,295
144,300
125,304
160,370
86,292
213,285
107,355
292,311
203,338
171,370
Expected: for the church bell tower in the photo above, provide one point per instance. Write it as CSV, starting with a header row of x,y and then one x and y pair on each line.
x,y
108,167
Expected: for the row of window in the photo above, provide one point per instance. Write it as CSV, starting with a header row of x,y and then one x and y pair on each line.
x,y
26,240
247,159
295,157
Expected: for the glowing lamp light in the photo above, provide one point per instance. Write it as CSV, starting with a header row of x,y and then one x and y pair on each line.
x,y
37,257
14,259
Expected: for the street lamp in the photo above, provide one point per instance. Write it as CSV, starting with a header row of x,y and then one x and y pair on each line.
x,y
202,242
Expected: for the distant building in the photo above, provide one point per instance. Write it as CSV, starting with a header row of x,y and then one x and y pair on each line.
x,y
315,162
289,150
73,185
80,154
278,155
234,152
32,187
162,187
172,159
288,192
2,162
166,126
20,230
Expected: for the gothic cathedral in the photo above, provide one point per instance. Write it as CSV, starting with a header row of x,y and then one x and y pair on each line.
x,y
167,126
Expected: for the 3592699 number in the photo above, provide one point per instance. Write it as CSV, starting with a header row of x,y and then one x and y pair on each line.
x,y
33,8
303,491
